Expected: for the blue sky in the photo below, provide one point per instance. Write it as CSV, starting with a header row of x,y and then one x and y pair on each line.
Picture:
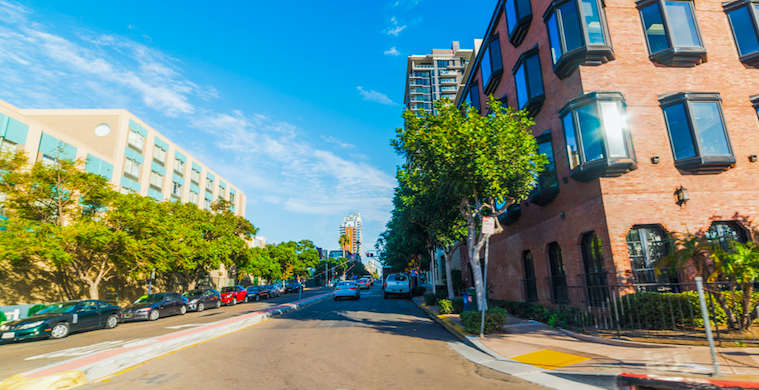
x,y
294,102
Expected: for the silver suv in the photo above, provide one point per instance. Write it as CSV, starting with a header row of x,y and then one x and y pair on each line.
x,y
397,284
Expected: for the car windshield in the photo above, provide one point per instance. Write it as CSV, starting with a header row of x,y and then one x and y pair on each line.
x,y
397,278
152,298
58,308
253,288
193,293
228,289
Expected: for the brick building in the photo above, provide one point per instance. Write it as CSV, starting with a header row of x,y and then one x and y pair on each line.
x,y
647,111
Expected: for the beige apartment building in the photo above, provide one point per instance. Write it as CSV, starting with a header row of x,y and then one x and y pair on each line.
x,y
119,146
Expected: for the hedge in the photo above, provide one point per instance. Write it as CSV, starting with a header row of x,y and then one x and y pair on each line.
x,y
564,317
494,319
430,299
458,305
418,291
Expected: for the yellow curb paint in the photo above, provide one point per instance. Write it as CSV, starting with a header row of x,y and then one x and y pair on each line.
x,y
550,360
64,380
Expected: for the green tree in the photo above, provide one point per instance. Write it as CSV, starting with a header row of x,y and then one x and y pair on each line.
x,y
344,241
740,265
484,162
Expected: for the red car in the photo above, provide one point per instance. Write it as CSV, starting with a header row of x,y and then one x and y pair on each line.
x,y
233,294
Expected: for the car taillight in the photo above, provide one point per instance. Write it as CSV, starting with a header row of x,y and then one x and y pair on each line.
x,y
385,285
337,289
353,288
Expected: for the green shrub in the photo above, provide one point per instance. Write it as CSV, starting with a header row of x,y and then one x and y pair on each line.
x,y
458,305
668,311
565,316
430,299
441,293
494,319
418,291
3,318
445,306
34,309
458,282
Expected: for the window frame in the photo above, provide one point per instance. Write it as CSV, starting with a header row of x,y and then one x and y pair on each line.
x,y
557,274
139,136
181,164
174,186
156,175
165,154
741,233
698,164
542,196
522,24
750,59
607,166
530,279
476,87
495,74
533,104
511,215
594,265
675,56
586,54
133,164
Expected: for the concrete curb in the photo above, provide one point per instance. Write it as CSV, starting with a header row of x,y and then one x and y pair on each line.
x,y
80,370
456,329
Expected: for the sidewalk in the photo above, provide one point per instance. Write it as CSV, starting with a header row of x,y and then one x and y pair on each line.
x,y
542,346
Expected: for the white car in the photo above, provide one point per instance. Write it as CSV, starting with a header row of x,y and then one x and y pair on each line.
x,y
397,284
347,290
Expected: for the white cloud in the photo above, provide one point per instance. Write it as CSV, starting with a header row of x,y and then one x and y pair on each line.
x,y
394,28
337,142
392,52
374,96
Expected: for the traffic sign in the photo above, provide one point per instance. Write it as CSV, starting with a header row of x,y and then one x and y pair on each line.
x,y
488,226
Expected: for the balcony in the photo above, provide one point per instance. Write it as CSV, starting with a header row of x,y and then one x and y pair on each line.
x,y
449,89
423,66
449,81
448,73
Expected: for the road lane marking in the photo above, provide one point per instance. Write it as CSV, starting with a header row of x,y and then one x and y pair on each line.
x,y
80,351
184,326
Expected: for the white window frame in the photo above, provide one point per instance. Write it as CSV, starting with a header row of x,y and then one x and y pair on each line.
x,y
136,140
132,167
159,154
195,176
179,166
156,179
194,197
176,189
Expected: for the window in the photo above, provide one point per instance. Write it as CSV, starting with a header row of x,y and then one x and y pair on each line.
x,y
442,64
511,215
578,35
195,176
176,189
209,184
646,246
193,197
547,182
595,271
232,197
726,234
559,291
597,136
744,20
7,147
179,166
156,180
518,18
221,192
491,66
206,204
126,191
529,82
136,140
159,155
473,96
697,132
530,285
49,161
132,168
672,32
3,198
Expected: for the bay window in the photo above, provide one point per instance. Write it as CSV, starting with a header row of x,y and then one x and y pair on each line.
x,y
578,35
672,32
744,21
472,96
597,136
529,82
491,65
518,19
547,182
697,132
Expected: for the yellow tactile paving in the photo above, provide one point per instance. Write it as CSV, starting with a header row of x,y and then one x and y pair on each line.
x,y
550,360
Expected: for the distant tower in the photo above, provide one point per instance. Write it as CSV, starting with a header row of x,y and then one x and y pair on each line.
x,y
352,227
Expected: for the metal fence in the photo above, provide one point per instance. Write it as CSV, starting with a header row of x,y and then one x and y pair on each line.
x,y
626,306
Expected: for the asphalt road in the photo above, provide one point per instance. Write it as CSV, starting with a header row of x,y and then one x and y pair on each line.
x,y
371,343
27,355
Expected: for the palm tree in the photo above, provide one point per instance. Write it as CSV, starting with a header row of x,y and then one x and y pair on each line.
x,y
344,242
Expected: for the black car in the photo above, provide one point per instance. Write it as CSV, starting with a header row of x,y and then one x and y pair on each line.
x,y
59,319
294,287
201,299
256,293
151,307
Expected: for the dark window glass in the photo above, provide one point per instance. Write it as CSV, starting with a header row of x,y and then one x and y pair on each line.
x,y
679,130
442,64
511,15
590,132
645,247
553,35
548,176
530,285
595,272
569,132
485,69
496,62
654,25
725,234
559,293
711,132
521,82
570,20
682,24
534,76
474,96
744,30
593,22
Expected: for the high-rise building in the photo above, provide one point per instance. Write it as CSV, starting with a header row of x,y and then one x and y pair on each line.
x,y
434,76
352,227
119,146
647,112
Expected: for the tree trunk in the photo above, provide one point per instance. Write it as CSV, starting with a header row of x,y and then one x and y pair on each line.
x,y
432,268
448,277
474,245
93,287
748,292
729,315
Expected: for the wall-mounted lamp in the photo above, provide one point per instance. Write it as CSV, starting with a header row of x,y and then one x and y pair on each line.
x,y
655,160
565,179
562,216
682,195
752,158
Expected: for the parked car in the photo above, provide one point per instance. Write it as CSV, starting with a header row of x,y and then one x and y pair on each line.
x,y
233,294
294,287
347,290
397,284
274,290
153,306
60,319
370,278
363,283
203,298
256,293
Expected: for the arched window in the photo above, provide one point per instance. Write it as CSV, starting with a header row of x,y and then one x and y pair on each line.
x,y
559,293
726,234
646,247
530,285
595,271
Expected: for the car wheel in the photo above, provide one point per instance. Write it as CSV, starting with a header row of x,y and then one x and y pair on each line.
x,y
234,301
154,314
358,297
112,321
60,330
385,295
218,304
246,299
201,307
258,297
183,310
335,299
409,296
